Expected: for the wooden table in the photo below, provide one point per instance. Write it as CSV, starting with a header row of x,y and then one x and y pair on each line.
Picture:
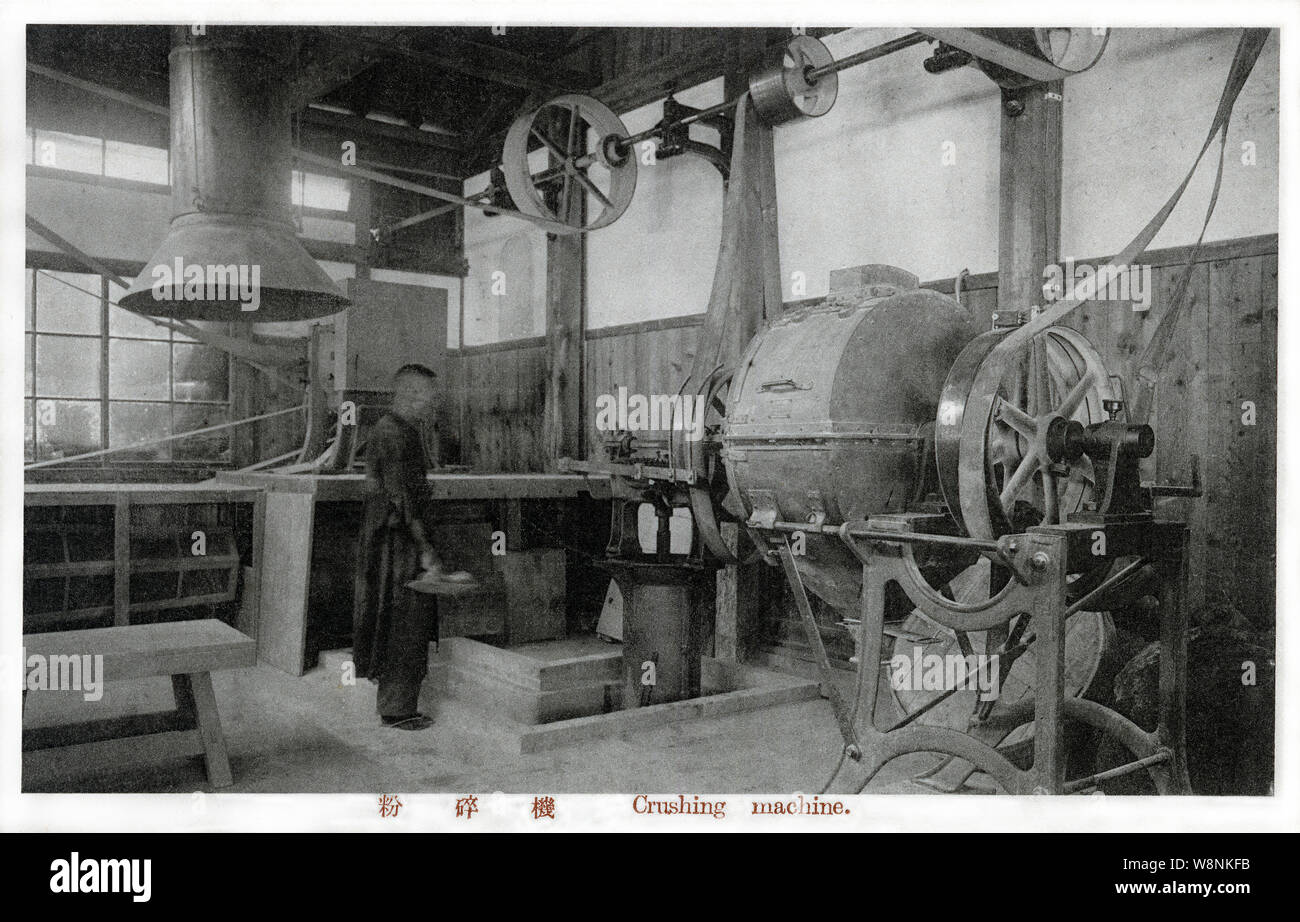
x,y
290,523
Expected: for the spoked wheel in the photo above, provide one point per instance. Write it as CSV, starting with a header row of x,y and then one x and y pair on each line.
x,y
1002,479
580,136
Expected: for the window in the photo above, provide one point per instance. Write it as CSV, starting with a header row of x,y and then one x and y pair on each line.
x,y
313,190
99,376
75,152
96,156
135,161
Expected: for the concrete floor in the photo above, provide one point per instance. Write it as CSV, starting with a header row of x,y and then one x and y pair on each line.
x,y
314,734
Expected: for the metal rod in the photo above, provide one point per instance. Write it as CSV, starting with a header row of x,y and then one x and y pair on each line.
x,y
876,534
167,438
1119,771
813,74
332,163
1107,586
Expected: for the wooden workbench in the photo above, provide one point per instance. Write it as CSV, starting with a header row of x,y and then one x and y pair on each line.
x,y
351,487
291,502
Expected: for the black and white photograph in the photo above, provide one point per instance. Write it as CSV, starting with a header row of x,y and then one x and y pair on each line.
x,y
814,418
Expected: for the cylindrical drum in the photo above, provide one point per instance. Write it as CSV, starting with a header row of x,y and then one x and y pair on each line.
x,y
830,415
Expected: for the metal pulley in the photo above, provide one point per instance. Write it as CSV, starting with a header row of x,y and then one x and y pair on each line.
x,y
1016,58
788,87
997,469
588,157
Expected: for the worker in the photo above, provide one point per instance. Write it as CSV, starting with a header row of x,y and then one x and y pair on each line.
x,y
391,625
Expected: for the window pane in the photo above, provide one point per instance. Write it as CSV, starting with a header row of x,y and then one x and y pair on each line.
x,y
67,302
67,366
122,322
69,152
66,427
134,161
29,432
313,190
138,370
212,446
199,373
27,365
29,143
129,423
27,296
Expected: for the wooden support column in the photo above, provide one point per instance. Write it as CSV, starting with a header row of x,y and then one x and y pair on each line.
x,y
121,560
743,595
566,304
246,399
1029,211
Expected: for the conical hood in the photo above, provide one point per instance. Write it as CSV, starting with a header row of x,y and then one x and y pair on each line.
x,y
231,252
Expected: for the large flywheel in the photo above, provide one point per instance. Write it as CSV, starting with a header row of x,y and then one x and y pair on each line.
x,y
584,141
995,467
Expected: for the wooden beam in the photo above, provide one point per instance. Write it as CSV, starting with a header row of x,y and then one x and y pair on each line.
x,y
1029,210
495,65
355,126
566,297
689,67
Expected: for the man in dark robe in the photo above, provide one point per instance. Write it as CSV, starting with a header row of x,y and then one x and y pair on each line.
x,y
392,626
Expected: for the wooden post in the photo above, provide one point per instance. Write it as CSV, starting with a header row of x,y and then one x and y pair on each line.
x,y
1029,212
566,297
121,559
743,591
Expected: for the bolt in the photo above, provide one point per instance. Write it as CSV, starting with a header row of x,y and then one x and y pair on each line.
x,y
1013,107
1040,561
1012,546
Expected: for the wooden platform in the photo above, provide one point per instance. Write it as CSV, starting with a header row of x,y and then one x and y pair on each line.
x,y
535,683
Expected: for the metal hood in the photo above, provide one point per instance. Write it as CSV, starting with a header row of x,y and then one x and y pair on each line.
x,y
231,252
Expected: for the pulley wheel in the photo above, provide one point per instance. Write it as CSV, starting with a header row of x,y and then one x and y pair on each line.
x,y
782,91
994,467
709,493
579,134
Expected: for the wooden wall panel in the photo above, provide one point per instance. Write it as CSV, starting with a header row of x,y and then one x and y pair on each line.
x,y
500,415
645,361
1241,552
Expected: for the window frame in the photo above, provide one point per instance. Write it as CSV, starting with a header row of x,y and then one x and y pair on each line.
x,y
104,399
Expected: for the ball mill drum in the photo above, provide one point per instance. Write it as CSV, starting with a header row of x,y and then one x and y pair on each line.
x,y
830,415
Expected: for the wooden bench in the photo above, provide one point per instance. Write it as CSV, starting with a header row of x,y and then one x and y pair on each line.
x,y
188,652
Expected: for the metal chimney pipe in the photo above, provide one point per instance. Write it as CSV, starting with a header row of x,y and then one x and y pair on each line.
x,y
232,252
